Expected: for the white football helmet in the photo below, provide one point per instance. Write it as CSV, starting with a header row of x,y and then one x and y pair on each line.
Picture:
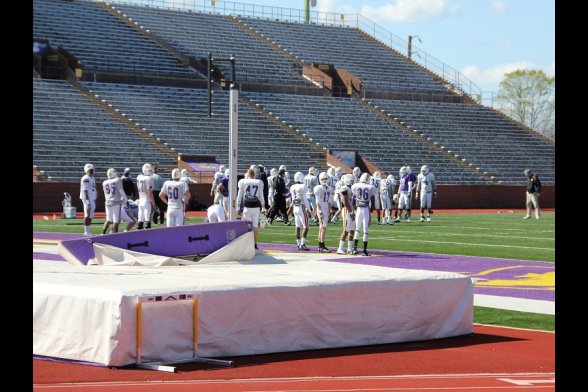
x,y
408,170
377,175
323,177
221,168
185,173
312,171
273,172
175,174
424,169
390,177
111,173
88,167
331,171
255,169
227,172
263,222
348,179
402,171
365,178
338,172
299,177
356,171
147,169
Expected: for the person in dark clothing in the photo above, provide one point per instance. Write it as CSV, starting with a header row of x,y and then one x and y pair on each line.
x,y
280,199
533,191
261,175
128,186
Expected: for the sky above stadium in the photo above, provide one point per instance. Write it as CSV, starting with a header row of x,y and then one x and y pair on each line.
x,y
482,39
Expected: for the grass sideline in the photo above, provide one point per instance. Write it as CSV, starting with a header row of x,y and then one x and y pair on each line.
x,y
485,234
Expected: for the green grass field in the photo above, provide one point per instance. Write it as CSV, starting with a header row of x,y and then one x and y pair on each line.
x,y
487,234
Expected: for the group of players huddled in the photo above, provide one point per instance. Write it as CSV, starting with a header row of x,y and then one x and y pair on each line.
x,y
321,198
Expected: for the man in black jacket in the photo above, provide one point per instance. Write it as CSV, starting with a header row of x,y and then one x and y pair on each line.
x,y
280,199
533,190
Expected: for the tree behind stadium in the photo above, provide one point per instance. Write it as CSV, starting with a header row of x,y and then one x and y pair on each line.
x,y
528,96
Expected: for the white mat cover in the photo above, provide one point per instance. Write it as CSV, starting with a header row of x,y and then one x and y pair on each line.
x,y
286,302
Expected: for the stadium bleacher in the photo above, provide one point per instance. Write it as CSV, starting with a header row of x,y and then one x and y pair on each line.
x,y
66,124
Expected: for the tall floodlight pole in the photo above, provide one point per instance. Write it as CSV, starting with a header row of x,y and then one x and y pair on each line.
x,y
307,5
233,130
410,37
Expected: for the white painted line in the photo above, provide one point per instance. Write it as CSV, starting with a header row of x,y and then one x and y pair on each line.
x,y
511,303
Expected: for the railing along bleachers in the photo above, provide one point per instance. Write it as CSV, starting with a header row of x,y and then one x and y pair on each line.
x,y
100,41
480,135
179,117
342,123
349,49
69,131
195,34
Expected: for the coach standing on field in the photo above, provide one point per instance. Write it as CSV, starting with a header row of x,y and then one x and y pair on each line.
x,y
533,190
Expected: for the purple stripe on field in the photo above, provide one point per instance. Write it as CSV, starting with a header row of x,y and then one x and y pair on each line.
x,y
504,277
47,256
56,236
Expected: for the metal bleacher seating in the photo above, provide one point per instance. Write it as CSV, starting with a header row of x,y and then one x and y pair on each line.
x,y
498,146
179,116
348,48
195,34
342,123
100,41
69,131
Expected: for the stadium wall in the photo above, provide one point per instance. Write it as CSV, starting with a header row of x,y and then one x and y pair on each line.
x,y
47,196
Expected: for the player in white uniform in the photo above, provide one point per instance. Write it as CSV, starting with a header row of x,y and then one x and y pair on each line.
x,y
363,193
426,186
311,180
88,196
175,194
386,194
376,181
114,197
324,202
356,174
250,200
271,183
348,213
216,180
337,202
186,177
129,213
301,209
146,201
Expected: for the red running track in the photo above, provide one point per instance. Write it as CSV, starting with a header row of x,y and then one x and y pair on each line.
x,y
495,358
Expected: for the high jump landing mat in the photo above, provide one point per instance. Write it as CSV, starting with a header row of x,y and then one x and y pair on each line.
x,y
274,302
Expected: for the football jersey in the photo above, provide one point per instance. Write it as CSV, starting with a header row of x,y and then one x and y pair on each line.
x,y
143,184
88,183
250,186
323,194
176,192
113,192
426,182
299,195
363,194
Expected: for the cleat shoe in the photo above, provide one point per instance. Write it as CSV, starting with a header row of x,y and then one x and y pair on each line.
x,y
287,223
354,253
365,253
324,250
407,220
526,217
422,219
428,219
340,252
397,219
303,247
390,223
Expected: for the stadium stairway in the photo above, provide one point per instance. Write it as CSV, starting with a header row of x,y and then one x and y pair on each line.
x,y
425,140
123,119
182,59
438,78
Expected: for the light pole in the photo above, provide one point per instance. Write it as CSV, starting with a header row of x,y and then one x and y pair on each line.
x,y
410,37
233,128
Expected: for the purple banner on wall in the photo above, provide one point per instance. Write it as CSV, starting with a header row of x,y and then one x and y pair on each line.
x,y
204,166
